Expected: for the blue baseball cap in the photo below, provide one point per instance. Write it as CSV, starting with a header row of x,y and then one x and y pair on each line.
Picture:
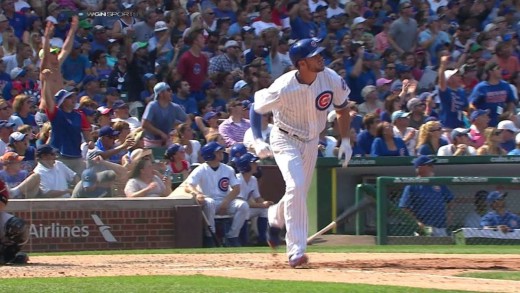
x,y
399,114
108,131
396,86
159,88
402,68
423,161
149,76
6,124
494,196
88,178
89,78
112,91
477,113
369,56
173,149
119,104
45,149
61,95
87,111
210,115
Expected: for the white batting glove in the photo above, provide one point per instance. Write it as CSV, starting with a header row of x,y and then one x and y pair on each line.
x,y
262,149
345,150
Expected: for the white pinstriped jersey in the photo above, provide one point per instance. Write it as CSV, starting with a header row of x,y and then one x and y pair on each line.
x,y
302,109
214,184
248,190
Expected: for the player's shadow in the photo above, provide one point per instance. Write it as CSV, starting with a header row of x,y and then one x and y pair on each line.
x,y
42,264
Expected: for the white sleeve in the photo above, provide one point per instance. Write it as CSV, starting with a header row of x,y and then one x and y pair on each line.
x,y
255,191
444,150
194,177
233,181
268,99
340,90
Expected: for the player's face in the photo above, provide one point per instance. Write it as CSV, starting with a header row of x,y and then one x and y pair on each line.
x,y
315,63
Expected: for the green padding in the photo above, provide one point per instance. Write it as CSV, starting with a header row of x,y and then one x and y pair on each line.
x,y
407,161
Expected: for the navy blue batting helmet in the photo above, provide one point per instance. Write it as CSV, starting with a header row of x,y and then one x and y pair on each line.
x,y
304,48
208,151
243,163
237,150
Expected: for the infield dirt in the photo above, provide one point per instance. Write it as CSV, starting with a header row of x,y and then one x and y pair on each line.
x,y
401,269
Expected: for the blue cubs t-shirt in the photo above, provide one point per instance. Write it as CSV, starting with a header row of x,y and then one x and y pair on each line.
x,y
453,103
494,98
427,202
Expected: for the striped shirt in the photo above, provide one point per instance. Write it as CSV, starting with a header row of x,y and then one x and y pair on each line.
x,y
233,132
302,109
222,63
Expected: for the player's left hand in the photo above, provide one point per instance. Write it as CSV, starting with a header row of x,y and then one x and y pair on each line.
x,y
345,150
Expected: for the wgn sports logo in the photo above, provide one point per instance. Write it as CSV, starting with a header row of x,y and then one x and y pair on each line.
x,y
56,230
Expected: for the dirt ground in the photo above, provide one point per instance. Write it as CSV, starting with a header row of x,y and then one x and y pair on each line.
x,y
403,269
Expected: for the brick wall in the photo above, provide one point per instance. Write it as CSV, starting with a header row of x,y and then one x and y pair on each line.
x,y
100,225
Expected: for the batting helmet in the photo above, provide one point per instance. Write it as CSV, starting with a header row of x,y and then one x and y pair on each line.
x,y
244,162
304,48
208,151
237,151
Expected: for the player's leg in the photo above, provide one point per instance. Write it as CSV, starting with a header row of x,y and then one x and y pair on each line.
x,y
209,210
290,157
240,211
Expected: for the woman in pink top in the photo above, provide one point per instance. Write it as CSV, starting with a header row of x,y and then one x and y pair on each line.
x,y
381,39
479,122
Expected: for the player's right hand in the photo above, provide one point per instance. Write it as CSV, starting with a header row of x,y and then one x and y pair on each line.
x,y
345,150
262,149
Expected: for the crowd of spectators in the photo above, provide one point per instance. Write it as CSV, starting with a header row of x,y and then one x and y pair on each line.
x,y
90,90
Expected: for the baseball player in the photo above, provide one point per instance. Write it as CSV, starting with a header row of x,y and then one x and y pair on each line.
x,y
215,187
236,151
300,101
249,192
13,233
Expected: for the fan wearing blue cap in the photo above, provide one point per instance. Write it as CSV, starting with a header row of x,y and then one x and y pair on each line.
x,y
452,96
176,157
106,144
460,144
427,204
215,187
499,217
94,184
249,192
160,116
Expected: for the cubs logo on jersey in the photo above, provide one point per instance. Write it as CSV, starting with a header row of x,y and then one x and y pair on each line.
x,y
324,100
223,184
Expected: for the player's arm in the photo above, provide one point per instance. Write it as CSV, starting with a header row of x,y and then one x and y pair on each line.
x,y
223,208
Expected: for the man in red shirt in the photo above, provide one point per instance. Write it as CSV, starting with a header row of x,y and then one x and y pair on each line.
x,y
193,64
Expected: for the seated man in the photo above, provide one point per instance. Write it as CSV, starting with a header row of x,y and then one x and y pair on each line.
x,y
106,144
249,192
94,184
215,187
427,204
20,184
19,143
499,217
460,144
96,162
14,233
55,176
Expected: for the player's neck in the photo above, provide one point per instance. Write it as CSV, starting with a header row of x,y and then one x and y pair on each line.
x,y
306,77
247,176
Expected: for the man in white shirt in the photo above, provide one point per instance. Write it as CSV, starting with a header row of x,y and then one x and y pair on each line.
x,y
400,120
55,176
20,59
6,128
460,145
